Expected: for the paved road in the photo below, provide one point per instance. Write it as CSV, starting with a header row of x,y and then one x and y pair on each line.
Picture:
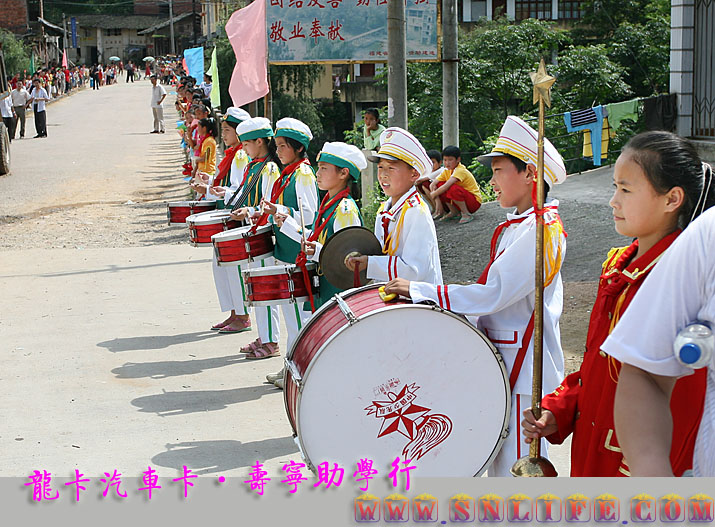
x,y
105,357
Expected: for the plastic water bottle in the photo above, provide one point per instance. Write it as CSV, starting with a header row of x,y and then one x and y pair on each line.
x,y
694,345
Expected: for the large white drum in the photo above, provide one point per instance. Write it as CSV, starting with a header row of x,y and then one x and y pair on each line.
x,y
366,379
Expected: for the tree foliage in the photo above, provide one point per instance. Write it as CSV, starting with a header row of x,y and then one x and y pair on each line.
x,y
16,53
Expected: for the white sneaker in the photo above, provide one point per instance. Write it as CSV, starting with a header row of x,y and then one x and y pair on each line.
x,y
279,383
273,377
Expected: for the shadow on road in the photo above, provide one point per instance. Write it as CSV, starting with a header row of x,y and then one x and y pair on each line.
x,y
191,401
206,457
172,368
154,342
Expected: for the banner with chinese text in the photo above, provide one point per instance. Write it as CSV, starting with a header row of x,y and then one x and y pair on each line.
x,y
345,30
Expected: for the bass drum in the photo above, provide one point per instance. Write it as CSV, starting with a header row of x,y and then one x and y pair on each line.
x,y
367,379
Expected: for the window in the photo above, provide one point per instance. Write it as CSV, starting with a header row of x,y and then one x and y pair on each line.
x,y
533,9
113,32
570,9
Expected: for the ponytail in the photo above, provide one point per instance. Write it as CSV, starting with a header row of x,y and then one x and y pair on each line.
x,y
670,161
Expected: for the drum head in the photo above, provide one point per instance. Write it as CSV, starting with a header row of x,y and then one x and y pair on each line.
x,y
408,381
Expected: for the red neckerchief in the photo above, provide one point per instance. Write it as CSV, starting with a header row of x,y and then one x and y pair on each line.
x,y
302,258
224,166
495,239
281,184
325,205
250,166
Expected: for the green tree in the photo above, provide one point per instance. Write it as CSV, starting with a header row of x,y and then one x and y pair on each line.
x,y
17,55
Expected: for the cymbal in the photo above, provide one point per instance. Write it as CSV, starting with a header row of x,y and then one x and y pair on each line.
x,y
338,247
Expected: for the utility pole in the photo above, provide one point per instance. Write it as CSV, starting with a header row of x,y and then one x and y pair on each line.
x,y
450,75
396,64
64,32
171,26
43,44
193,19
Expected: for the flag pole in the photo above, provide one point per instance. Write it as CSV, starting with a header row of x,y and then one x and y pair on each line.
x,y
534,465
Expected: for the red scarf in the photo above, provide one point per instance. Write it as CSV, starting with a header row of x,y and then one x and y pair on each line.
x,y
224,167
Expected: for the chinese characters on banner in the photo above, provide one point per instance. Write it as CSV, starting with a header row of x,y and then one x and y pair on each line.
x,y
345,30
328,476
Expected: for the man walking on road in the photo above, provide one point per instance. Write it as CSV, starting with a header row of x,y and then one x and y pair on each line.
x,y
20,96
38,99
158,94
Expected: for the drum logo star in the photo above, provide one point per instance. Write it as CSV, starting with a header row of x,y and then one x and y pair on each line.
x,y
399,413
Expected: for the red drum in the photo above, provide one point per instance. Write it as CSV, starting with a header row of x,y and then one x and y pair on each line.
x,y
204,225
279,284
240,246
372,380
178,211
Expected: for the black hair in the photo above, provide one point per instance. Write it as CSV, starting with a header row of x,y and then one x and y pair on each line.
x,y
272,156
452,151
210,124
434,154
670,161
206,102
375,112
298,147
208,75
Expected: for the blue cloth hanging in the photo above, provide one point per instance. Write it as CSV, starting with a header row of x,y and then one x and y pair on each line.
x,y
589,119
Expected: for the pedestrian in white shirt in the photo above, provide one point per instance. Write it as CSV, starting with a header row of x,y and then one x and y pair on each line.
x,y
8,116
158,94
38,98
504,296
679,291
20,96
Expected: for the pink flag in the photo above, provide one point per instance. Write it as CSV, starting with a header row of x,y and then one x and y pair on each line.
x,y
246,30
64,58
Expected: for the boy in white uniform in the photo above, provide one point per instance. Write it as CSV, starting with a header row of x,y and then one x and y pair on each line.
x,y
503,297
404,223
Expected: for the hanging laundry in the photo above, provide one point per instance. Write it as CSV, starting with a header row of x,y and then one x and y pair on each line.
x,y
590,119
660,112
621,111
605,138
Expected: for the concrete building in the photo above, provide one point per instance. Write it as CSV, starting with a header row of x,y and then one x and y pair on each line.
x,y
566,10
692,62
104,36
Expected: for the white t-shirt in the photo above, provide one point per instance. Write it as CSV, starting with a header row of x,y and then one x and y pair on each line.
x,y
6,107
20,97
156,93
679,291
39,93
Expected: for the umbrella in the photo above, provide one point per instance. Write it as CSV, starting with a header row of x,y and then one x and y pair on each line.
x,y
115,59
148,59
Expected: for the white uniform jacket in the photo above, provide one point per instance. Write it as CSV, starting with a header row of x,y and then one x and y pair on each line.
x,y
505,303
238,167
414,255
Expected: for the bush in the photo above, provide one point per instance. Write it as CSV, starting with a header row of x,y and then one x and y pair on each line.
x,y
371,204
17,56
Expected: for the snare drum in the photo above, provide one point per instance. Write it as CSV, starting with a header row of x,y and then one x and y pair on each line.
x,y
279,284
178,211
204,225
366,379
240,246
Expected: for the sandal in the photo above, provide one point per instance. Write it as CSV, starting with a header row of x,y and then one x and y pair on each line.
x,y
465,219
449,217
252,347
270,349
228,329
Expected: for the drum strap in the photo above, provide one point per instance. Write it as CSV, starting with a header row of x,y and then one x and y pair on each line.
x,y
521,354
252,183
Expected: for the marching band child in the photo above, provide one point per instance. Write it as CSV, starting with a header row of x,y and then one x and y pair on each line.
x,y
658,179
339,167
256,135
503,297
293,193
404,223
208,130
223,186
